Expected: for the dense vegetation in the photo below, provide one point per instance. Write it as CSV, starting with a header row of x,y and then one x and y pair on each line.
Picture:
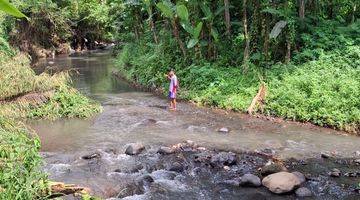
x,y
306,52
23,95
19,162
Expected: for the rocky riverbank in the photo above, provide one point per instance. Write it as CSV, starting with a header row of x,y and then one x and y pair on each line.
x,y
187,170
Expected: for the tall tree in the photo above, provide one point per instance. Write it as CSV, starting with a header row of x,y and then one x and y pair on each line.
x,y
227,17
148,6
246,37
302,9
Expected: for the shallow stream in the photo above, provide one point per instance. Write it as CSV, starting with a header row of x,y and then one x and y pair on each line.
x,y
131,115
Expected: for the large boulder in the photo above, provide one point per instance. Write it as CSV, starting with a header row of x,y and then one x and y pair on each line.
x,y
250,180
134,149
281,182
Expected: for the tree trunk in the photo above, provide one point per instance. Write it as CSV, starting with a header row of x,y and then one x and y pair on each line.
x,y
288,50
177,36
247,39
302,9
227,17
266,36
152,27
353,14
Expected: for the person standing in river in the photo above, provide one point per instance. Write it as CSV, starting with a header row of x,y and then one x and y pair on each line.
x,y
172,89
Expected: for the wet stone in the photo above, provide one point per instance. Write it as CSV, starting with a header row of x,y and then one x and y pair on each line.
x,y
176,167
325,155
303,192
223,158
144,179
272,168
250,180
335,173
357,153
129,190
134,149
224,130
232,182
357,161
165,150
91,156
281,182
300,176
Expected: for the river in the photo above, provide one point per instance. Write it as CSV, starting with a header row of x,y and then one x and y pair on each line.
x,y
131,115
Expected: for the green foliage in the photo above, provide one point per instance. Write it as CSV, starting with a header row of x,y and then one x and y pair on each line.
x,y
19,162
19,79
325,92
165,9
66,102
10,9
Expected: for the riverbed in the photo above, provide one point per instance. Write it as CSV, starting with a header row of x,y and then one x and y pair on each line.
x,y
131,115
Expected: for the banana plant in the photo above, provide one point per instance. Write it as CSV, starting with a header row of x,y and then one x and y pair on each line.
x,y
194,32
168,10
10,9
210,17
148,8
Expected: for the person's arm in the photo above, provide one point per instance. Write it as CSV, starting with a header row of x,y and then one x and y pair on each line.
x,y
175,84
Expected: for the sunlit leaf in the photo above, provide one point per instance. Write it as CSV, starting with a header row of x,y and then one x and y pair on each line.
x,y
188,28
182,12
165,10
215,34
197,30
10,9
192,43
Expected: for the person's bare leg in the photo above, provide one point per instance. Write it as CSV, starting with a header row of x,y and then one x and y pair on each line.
x,y
174,104
171,104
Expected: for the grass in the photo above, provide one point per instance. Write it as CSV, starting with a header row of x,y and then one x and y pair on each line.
x,y
324,91
19,162
19,79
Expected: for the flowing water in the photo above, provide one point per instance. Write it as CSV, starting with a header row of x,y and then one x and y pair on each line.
x,y
130,115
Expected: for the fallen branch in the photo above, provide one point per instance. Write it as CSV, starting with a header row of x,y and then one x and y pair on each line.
x,y
258,100
58,189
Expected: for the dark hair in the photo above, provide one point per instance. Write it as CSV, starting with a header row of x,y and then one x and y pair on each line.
x,y
172,70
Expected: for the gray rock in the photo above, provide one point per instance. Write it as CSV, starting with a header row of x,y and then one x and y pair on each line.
x,y
91,156
176,167
224,130
272,168
134,149
357,153
335,173
325,155
250,180
303,192
232,182
223,159
281,182
300,176
145,178
165,150
357,161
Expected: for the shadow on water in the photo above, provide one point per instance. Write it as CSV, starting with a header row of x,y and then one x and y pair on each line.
x,y
131,115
